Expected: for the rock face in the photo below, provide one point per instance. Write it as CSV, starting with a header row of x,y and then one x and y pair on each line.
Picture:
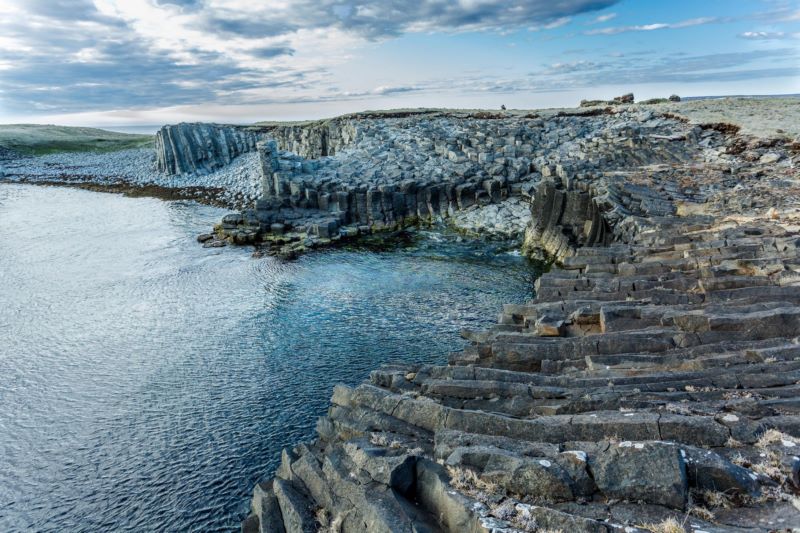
x,y
200,148
386,172
316,139
654,376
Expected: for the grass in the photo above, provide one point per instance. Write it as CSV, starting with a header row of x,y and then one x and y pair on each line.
x,y
670,525
38,139
773,436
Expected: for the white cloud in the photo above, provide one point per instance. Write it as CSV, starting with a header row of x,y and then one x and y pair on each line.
x,y
655,26
768,35
603,18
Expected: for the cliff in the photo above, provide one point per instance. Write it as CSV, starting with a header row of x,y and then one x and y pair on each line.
x,y
389,171
200,148
651,382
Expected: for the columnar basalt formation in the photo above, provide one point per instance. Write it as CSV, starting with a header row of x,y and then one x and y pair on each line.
x,y
199,148
651,384
315,139
384,172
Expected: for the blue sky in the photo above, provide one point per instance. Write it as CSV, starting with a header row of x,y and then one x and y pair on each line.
x,y
115,62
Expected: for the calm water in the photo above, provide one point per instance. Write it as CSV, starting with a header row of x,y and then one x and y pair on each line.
x,y
147,383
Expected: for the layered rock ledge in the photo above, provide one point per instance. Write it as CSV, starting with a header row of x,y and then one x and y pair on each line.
x,y
324,181
651,385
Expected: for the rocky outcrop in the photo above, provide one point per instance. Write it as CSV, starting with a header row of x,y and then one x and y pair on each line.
x,y
650,383
199,148
314,140
391,172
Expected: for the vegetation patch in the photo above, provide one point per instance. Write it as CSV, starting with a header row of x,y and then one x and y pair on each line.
x,y
37,139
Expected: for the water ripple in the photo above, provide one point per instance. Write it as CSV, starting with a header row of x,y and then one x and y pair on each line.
x,y
146,383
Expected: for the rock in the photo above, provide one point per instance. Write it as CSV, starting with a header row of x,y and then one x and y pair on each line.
x,y
659,354
454,511
326,229
296,510
770,158
205,237
649,471
265,510
707,470
624,99
539,478
233,219
395,470
674,98
185,148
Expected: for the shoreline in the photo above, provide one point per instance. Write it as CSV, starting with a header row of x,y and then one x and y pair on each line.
x,y
654,348
197,194
665,342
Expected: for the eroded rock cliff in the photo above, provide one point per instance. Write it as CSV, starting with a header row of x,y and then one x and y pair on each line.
x,y
199,148
392,171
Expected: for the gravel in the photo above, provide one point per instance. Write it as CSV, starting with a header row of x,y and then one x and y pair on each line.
x,y
239,181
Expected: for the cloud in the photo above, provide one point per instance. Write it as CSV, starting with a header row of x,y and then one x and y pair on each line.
x,y
268,52
603,18
73,56
122,54
643,69
768,35
563,21
574,66
656,26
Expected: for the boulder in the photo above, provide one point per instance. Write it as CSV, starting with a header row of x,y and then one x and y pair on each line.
x,y
648,471
297,511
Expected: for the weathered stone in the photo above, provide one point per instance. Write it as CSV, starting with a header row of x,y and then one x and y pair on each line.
x,y
658,354
650,471
265,509
296,510
707,470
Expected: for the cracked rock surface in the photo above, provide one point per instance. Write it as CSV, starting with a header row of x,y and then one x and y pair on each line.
x,y
651,384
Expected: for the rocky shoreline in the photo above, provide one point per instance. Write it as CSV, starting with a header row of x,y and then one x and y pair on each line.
x,y
361,174
650,386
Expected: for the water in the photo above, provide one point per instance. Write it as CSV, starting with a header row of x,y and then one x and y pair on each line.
x,y
147,383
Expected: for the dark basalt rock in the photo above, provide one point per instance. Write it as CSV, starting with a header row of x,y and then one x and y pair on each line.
x,y
653,376
186,148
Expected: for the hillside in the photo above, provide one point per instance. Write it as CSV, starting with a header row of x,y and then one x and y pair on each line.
x,y
37,139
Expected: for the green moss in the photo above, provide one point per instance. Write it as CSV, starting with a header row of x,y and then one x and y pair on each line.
x,y
655,101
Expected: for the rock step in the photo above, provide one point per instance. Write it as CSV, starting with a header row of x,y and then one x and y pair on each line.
x,y
654,376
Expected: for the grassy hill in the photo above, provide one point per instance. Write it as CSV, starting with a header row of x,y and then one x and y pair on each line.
x,y
37,139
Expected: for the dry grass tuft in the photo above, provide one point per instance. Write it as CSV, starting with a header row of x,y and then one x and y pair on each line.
x,y
323,519
773,436
335,525
518,516
670,525
379,439
771,467
714,499
733,443
739,459
467,480
701,512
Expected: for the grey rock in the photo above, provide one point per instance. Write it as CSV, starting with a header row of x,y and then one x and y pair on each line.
x,y
297,511
649,471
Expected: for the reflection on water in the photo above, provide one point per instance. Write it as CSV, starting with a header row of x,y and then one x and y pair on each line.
x,y
147,383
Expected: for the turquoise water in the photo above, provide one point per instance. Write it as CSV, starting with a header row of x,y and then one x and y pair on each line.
x,y
147,383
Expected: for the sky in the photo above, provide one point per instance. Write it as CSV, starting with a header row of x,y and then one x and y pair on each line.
x,y
128,62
